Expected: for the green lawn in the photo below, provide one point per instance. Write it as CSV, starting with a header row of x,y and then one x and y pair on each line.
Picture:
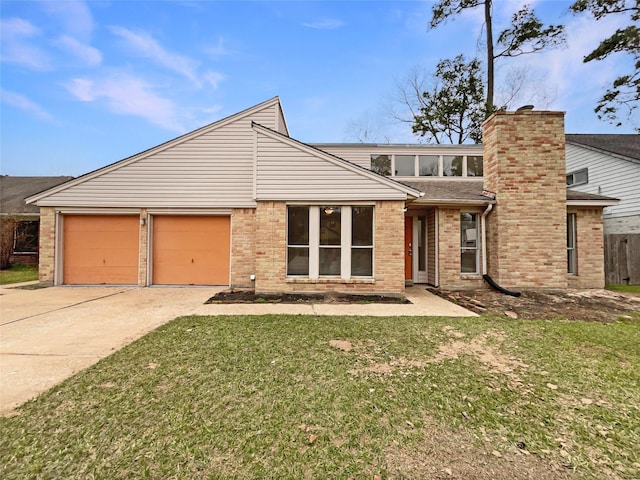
x,y
19,273
624,288
339,397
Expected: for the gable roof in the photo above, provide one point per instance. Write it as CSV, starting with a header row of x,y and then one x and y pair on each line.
x,y
623,145
14,190
275,101
319,177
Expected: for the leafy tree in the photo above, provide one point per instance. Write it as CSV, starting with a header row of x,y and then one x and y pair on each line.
x,y
453,109
625,90
526,34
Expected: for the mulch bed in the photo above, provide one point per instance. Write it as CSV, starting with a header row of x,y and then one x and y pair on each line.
x,y
249,296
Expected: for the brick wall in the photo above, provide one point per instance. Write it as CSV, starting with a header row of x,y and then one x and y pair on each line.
x,y
589,249
243,247
524,164
47,245
271,245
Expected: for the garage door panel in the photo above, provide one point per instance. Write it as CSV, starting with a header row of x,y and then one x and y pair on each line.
x,y
100,249
191,250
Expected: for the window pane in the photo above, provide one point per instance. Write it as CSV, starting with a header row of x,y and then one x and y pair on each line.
x,y
362,262
428,165
469,262
474,166
452,166
381,164
362,226
330,220
298,226
330,261
26,237
468,230
405,166
297,261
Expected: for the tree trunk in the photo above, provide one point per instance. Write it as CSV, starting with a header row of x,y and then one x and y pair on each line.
x,y
489,26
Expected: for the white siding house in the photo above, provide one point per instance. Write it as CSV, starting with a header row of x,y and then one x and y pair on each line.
x,y
594,170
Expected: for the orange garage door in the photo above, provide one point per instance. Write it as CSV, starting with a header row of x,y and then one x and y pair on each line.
x,y
100,249
191,250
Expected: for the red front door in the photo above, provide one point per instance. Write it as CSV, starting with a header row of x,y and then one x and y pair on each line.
x,y
408,248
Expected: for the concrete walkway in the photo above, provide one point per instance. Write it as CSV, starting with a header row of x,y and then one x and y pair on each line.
x,y
49,334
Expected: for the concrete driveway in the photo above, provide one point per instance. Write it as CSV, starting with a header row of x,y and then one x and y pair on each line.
x,y
49,334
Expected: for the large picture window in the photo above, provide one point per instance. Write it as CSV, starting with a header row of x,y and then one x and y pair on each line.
x,y
330,241
25,236
469,241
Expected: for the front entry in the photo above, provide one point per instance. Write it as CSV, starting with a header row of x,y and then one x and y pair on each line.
x,y
408,249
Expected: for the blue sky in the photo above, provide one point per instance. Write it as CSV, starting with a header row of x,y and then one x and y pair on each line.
x,y
84,84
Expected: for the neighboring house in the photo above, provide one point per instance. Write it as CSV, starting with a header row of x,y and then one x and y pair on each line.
x,y
20,222
241,203
609,164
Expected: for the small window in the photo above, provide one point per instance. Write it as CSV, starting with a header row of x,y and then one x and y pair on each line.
x,y
405,165
469,240
572,257
330,254
381,164
25,237
428,166
361,241
452,166
579,177
474,166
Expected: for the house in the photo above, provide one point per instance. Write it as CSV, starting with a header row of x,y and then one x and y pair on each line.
x,y
609,164
20,222
241,203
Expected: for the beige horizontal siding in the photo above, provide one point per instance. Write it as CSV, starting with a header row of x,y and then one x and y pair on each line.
x,y
288,173
212,170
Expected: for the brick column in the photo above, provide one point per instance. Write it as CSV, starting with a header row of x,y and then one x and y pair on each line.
x,y
47,245
143,253
524,164
589,248
243,247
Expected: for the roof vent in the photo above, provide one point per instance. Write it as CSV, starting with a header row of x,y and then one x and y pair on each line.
x,y
525,107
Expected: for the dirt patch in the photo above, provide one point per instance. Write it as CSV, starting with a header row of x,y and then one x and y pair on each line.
x,y
445,454
249,296
343,345
589,305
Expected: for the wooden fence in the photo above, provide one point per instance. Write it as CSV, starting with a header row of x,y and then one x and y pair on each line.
x,y
622,258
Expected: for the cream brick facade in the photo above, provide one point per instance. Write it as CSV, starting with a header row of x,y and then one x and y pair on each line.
x,y
47,245
524,164
243,247
589,249
143,252
271,251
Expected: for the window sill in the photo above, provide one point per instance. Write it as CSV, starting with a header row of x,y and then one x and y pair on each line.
x,y
326,281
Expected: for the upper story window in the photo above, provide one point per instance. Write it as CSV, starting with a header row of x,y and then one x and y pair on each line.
x,y
427,165
579,177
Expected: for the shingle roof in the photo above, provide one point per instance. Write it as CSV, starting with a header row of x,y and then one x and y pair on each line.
x,y
13,191
627,145
466,191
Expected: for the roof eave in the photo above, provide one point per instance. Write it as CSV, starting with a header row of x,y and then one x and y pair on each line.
x,y
592,203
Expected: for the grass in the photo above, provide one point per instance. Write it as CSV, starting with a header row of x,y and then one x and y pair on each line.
x,y
624,288
271,397
18,273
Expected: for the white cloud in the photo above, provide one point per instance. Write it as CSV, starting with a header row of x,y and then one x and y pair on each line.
x,y
219,49
146,46
325,24
213,79
128,95
23,103
88,54
74,16
17,46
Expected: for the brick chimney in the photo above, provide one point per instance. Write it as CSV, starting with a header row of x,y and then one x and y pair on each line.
x,y
524,165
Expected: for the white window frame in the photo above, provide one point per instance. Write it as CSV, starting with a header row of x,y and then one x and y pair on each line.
x,y
573,182
469,249
572,251
416,164
345,242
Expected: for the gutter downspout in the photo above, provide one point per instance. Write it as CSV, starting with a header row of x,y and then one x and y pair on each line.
x,y
483,238
486,277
